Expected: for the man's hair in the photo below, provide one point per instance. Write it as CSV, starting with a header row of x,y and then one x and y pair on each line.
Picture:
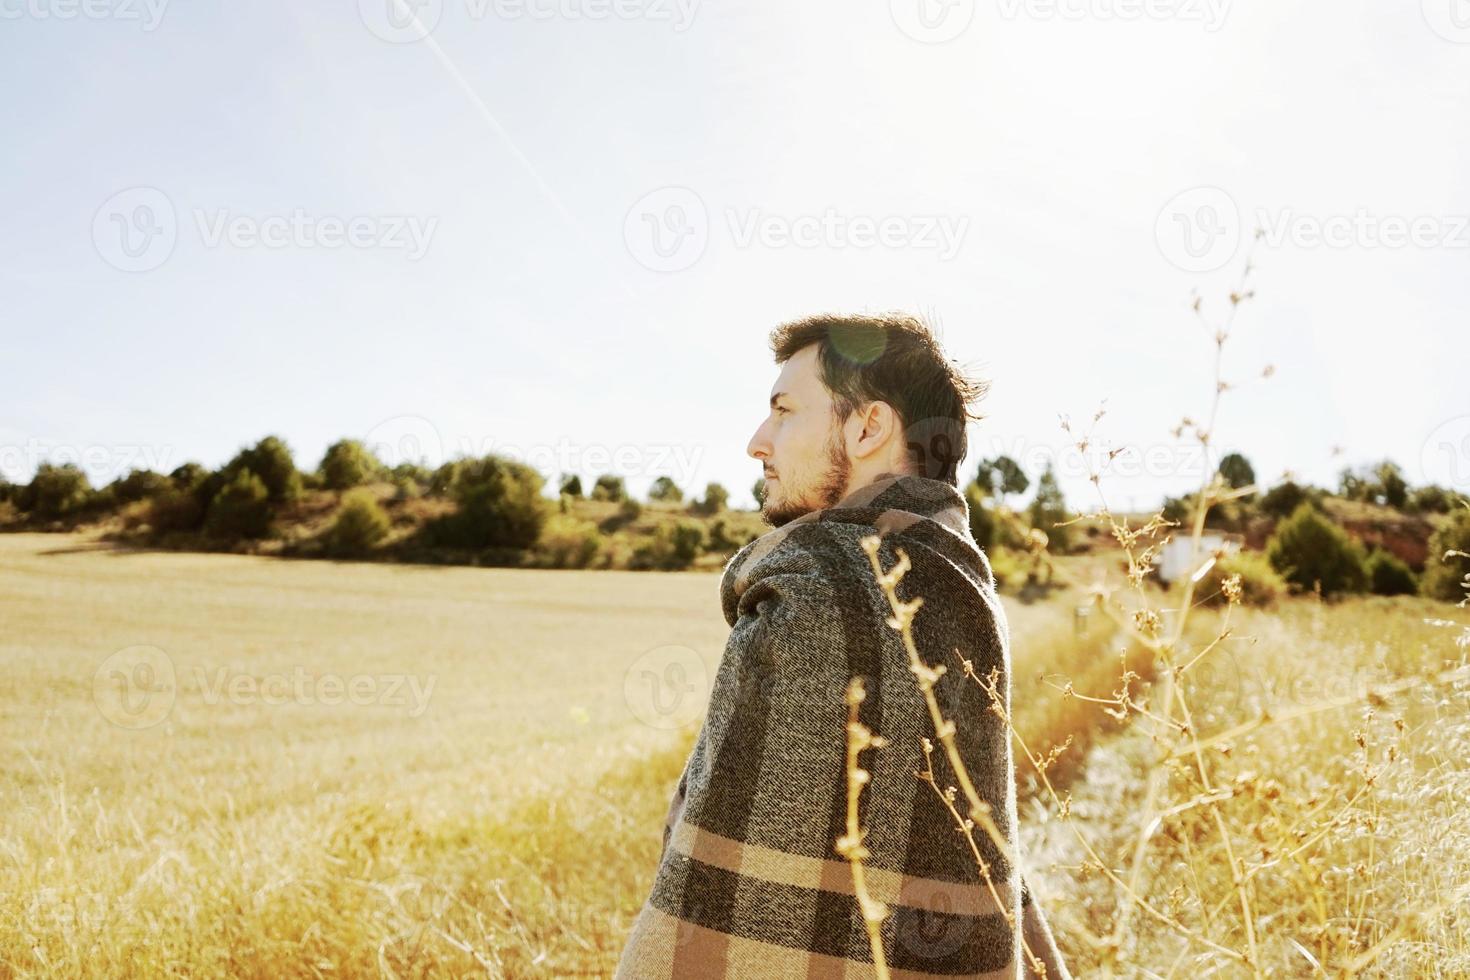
x,y
893,358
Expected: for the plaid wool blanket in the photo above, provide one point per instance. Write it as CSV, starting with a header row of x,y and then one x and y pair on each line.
x,y
749,883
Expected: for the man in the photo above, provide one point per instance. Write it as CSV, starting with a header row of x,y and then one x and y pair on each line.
x,y
864,436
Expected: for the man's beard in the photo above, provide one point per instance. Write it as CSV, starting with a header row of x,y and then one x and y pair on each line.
x,y
829,489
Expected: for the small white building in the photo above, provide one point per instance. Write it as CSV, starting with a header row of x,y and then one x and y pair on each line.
x,y
1174,558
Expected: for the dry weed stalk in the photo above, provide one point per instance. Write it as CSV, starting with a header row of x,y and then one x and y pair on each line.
x,y
850,845
1168,718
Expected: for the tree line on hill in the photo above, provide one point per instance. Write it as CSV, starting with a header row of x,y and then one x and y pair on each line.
x,y
487,510
1298,538
491,510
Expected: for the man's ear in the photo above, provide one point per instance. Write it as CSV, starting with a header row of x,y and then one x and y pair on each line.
x,y
877,425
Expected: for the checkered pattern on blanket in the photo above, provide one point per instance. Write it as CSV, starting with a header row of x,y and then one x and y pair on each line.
x,y
749,883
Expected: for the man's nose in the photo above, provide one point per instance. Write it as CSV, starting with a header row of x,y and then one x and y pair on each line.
x,y
759,446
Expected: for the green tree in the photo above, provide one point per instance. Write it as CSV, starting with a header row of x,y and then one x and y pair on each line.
x,y
666,490
55,491
270,460
1000,477
1447,575
361,523
716,499
1388,575
982,519
758,491
1393,489
241,509
609,487
572,485
1048,509
1307,548
1236,471
1284,498
499,506
347,464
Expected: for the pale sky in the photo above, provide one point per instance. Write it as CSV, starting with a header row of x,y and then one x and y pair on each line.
x,y
563,228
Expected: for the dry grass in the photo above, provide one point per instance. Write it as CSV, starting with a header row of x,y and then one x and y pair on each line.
x,y
310,839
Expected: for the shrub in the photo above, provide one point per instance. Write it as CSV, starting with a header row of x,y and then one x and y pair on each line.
x,y
672,548
270,461
716,499
1260,583
1283,499
609,487
55,491
499,506
189,476
1388,575
1048,510
361,523
567,542
1445,573
139,485
1307,549
176,510
982,518
241,509
665,490
1430,499
347,464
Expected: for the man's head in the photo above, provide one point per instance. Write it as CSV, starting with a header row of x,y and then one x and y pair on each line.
x,y
858,397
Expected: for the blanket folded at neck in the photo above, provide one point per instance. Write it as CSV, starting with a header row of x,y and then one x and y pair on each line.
x,y
749,883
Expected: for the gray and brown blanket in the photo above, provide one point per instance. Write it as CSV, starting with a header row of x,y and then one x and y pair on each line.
x,y
749,883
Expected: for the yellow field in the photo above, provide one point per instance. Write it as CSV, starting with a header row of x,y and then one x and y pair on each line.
x,y
318,838
232,766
